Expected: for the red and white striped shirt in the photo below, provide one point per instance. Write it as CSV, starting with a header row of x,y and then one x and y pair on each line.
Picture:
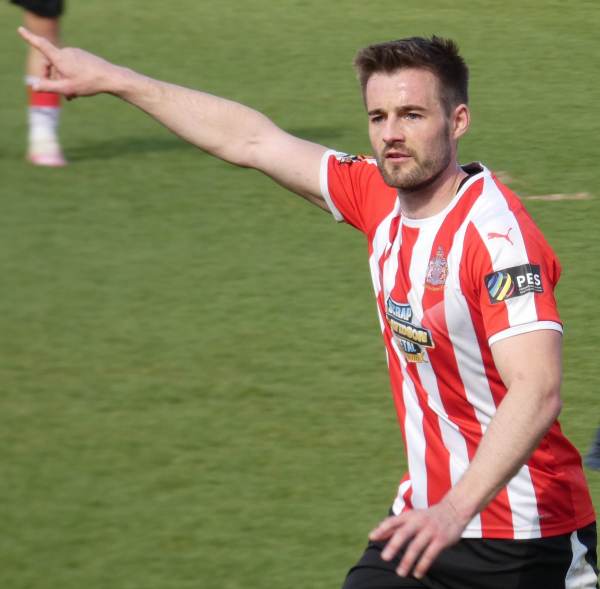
x,y
447,288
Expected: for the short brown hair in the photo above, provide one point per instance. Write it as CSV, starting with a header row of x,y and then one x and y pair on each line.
x,y
439,56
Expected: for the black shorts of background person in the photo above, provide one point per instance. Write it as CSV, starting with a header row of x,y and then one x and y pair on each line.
x,y
45,8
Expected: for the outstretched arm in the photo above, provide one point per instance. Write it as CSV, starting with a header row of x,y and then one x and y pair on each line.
x,y
226,129
530,366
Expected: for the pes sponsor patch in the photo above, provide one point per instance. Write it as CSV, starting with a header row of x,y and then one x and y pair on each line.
x,y
513,282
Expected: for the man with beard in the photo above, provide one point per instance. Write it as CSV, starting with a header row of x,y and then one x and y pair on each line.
x,y
495,494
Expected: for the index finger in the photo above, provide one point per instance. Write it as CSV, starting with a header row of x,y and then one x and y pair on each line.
x,y
43,45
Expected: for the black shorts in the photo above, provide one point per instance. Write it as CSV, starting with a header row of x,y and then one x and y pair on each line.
x,y
559,562
46,8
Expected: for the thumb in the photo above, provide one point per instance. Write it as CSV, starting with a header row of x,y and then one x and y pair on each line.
x,y
55,86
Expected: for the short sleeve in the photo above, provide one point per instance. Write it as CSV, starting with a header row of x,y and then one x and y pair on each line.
x,y
354,189
511,272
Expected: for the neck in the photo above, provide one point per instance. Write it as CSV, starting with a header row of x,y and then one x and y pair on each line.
x,y
434,197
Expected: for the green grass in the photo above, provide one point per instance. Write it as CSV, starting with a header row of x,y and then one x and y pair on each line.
x,y
193,385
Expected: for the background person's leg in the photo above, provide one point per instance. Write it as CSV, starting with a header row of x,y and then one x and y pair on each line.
x,y
42,17
44,108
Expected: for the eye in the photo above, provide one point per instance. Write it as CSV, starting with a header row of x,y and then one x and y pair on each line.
x,y
413,116
376,118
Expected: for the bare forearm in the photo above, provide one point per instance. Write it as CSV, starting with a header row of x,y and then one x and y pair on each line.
x,y
224,128
522,419
529,364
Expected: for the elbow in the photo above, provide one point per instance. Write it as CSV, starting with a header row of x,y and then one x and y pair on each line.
x,y
237,153
250,153
552,405
243,153
557,404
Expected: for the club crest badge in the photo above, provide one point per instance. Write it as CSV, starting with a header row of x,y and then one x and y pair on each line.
x,y
437,271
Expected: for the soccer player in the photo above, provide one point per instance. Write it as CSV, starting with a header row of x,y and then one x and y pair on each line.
x,y
43,18
495,495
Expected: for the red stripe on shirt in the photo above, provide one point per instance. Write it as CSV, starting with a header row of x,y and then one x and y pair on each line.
x,y
395,370
554,448
437,457
538,252
475,255
442,357
497,516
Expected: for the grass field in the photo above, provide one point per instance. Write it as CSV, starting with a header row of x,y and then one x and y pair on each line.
x,y
193,383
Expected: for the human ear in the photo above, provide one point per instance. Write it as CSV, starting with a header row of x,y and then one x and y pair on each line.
x,y
461,120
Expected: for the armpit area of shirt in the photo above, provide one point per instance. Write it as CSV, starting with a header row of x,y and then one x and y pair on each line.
x,y
525,328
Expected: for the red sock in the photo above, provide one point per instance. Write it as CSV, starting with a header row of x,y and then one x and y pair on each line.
x,y
43,99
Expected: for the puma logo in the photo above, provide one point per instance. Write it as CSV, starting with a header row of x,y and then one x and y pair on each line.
x,y
492,235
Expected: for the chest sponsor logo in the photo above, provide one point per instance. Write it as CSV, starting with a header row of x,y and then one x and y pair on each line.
x,y
437,271
513,282
412,339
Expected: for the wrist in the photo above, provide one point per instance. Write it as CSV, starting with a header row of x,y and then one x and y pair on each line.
x,y
121,81
461,504
137,89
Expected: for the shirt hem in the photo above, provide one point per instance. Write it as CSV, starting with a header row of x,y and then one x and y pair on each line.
x,y
525,328
531,533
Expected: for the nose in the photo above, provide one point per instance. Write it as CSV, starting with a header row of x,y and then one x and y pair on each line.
x,y
392,131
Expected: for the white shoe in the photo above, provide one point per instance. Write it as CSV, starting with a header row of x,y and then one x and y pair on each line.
x,y
46,153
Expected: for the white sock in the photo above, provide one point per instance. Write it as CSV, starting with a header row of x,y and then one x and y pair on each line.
x,y
43,126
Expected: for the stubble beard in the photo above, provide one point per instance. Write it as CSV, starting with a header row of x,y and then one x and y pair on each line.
x,y
421,174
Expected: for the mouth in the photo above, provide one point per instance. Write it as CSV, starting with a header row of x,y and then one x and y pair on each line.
x,y
397,156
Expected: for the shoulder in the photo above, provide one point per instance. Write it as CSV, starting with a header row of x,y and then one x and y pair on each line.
x,y
355,190
361,173
502,234
498,209
352,167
